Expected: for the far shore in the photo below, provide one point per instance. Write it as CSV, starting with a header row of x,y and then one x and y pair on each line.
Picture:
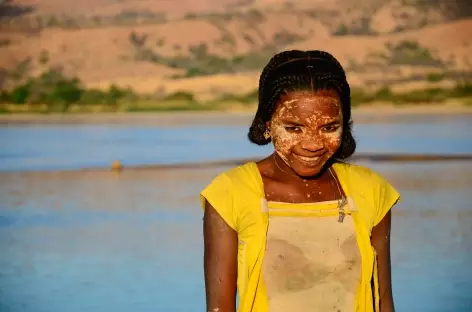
x,y
362,114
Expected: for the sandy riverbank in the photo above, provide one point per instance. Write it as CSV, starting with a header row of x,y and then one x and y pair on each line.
x,y
364,114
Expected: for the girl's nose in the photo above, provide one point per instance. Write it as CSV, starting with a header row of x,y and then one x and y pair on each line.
x,y
312,144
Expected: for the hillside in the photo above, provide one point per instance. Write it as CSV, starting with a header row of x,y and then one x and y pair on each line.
x,y
213,47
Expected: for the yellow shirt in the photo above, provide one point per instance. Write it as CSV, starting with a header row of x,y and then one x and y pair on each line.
x,y
238,196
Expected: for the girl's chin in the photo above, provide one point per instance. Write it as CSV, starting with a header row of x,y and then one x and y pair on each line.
x,y
302,168
307,172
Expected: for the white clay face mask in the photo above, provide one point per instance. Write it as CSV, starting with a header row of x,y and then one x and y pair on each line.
x,y
307,125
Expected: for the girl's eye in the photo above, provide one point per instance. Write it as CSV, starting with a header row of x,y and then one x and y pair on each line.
x,y
331,128
293,129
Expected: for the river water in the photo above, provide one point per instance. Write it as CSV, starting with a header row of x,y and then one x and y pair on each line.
x,y
131,241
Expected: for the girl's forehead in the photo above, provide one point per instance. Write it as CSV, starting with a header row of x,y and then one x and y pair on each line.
x,y
309,104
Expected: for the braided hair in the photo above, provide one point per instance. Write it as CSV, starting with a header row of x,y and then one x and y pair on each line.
x,y
296,70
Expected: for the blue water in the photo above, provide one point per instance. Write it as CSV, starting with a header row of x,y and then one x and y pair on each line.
x,y
72,147
100,241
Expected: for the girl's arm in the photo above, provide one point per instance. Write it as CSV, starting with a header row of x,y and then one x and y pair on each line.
x,y
220,262
381,243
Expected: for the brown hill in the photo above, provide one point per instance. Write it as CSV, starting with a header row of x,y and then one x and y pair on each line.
x,y
107,7
215,46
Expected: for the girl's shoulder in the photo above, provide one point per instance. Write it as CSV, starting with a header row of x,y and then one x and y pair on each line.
x,y
242,177
358,174
374,194
232,190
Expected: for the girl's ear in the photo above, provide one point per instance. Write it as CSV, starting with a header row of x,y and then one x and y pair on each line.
x,y
267,124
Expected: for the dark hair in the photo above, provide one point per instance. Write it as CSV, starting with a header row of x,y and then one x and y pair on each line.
x,y
296,71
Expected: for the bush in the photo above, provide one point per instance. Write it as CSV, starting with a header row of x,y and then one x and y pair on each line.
x,y
462,89
43,57
384,94
194,72
435,77
342,30
4,96
358,97
251,97
5,42
411,53
93,96
422,96
19,95
65,91
54,89
180,96
248,98
190,16
110,97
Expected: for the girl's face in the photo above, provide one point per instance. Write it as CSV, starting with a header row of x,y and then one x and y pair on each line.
x,y
306,129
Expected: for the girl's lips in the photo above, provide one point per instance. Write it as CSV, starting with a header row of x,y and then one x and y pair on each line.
x,y
310,161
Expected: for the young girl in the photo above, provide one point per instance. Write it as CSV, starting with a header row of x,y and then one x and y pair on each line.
x,y
300,230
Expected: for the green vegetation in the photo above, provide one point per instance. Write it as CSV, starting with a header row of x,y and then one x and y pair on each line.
x,y
123,18
342,30
162,105
430,95
201,62
252,16
357,27
69,98
406,53
5,42
52,91
58,92
43,57
247,99
435,77
411,53
185,101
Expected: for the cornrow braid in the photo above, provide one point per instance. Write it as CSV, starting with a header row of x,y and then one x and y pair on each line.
x,y
277,87
278,59
297,71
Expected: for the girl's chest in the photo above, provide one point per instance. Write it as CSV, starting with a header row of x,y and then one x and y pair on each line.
x,y
301,192
311,264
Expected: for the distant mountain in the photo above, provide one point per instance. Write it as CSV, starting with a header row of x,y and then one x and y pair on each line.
x,y
173,44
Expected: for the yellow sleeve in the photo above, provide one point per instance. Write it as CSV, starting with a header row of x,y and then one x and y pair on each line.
x,y
385,196
219,194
